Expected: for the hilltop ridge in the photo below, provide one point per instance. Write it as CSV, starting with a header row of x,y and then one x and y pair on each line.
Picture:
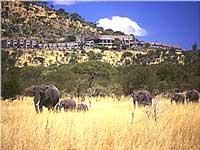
x,y
38,21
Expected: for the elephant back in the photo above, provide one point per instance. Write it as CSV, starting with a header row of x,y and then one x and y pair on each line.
x,y
68,104
53,94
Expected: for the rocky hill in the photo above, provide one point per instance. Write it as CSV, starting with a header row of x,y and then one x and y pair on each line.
x,y
38,21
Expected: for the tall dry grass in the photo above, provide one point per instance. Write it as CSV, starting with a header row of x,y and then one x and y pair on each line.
x,y
108,125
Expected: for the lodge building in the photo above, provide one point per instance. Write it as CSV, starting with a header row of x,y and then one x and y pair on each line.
x,y
108,40
99,41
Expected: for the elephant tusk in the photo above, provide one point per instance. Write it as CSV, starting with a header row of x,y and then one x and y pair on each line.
x,y
57,106
37,104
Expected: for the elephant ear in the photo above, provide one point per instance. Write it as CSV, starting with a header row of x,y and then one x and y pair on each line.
x,y
37,97
29,91
38,89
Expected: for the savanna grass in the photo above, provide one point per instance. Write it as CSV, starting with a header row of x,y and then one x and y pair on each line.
x,y
107,125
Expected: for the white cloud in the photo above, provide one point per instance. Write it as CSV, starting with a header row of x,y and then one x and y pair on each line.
x,y
123,24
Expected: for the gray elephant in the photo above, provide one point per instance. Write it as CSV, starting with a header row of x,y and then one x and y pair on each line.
x,y
67,104
192,96
142,97
44,95
178,98
82,107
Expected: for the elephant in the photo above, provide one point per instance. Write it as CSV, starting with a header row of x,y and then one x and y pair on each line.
x,y
82,107
192,96
142,97
178,98
67,104
44,95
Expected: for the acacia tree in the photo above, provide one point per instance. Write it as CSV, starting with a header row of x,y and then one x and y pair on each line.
x,y
93,70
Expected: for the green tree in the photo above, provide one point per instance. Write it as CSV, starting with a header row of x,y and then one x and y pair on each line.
x,y
134,78
93,56
119,33
9,74
74,57
147,45
10,83
126,54
100,29
76,16
61,12
71,38
194,47
108,32
61,76
117,43
93,70
30,75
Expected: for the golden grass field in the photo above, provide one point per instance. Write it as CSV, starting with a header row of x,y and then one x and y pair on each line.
x,y
106,126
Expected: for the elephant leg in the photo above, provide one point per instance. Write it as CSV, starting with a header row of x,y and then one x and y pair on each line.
x,y
171,101
38,104
50,108
54,109
36,108
183,101
57,108
40,108
134,103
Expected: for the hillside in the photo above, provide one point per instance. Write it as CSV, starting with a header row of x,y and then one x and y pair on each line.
x,y
37,21
116,58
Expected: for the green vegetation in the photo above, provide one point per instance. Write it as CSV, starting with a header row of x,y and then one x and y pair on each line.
x,y
105,79
38,20
93,56
74,57
111,32
117,43
194,46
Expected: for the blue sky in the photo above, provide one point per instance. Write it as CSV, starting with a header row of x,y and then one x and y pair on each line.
x,y
176,23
